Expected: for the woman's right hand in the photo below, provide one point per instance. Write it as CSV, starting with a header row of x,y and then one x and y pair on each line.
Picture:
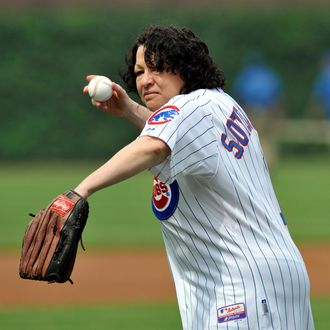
x,y
121,105
118,104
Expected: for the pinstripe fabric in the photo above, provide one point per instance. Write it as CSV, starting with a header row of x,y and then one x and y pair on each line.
x,y
233,261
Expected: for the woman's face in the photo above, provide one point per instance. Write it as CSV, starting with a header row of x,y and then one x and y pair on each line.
x,y
155,88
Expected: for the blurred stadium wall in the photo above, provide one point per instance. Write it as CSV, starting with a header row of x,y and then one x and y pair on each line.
x,y
48,47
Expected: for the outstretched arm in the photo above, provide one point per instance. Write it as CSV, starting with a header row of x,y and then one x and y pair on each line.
x,y
142,153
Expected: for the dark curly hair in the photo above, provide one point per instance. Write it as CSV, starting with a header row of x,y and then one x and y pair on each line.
x,y
176,50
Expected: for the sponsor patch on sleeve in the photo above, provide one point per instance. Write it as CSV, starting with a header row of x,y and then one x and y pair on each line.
x,y
231,313
164,115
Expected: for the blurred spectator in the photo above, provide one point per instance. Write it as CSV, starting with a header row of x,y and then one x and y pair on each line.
x,y
259,90
321,89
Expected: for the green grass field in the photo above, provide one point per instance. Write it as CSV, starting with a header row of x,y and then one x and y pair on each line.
x,y
121,217
142,317
153,316
303,186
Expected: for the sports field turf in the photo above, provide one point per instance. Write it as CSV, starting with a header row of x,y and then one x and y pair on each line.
x,y
121,217
153,316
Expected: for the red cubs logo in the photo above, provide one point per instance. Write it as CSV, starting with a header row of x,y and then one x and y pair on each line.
x,y
164,199
161,194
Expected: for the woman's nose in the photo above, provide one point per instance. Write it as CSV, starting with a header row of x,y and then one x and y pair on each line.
x,y
147,79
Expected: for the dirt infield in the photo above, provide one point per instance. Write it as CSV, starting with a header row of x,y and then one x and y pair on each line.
x,y
124,276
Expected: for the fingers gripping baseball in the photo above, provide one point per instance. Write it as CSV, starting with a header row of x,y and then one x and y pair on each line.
x,y
119,102
100,88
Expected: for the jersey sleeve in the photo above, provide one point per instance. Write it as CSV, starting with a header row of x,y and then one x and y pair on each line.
x,y
189,132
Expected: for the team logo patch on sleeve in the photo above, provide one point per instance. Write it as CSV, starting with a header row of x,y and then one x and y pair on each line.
x,y
164,115
231,313
164,199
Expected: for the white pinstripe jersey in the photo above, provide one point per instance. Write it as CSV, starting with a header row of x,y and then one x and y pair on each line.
x,y
233,261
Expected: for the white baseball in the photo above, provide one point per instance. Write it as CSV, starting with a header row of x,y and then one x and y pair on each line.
x,y
100,89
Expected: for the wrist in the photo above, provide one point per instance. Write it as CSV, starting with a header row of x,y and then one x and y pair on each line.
x,y
131,111
136,114
82,192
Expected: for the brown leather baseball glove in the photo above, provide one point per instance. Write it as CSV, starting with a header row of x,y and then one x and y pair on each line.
x,y
51,239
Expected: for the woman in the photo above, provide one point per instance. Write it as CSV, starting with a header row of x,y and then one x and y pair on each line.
x,y
233,261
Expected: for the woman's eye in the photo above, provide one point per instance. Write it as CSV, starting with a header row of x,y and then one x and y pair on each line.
x,y
138,73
